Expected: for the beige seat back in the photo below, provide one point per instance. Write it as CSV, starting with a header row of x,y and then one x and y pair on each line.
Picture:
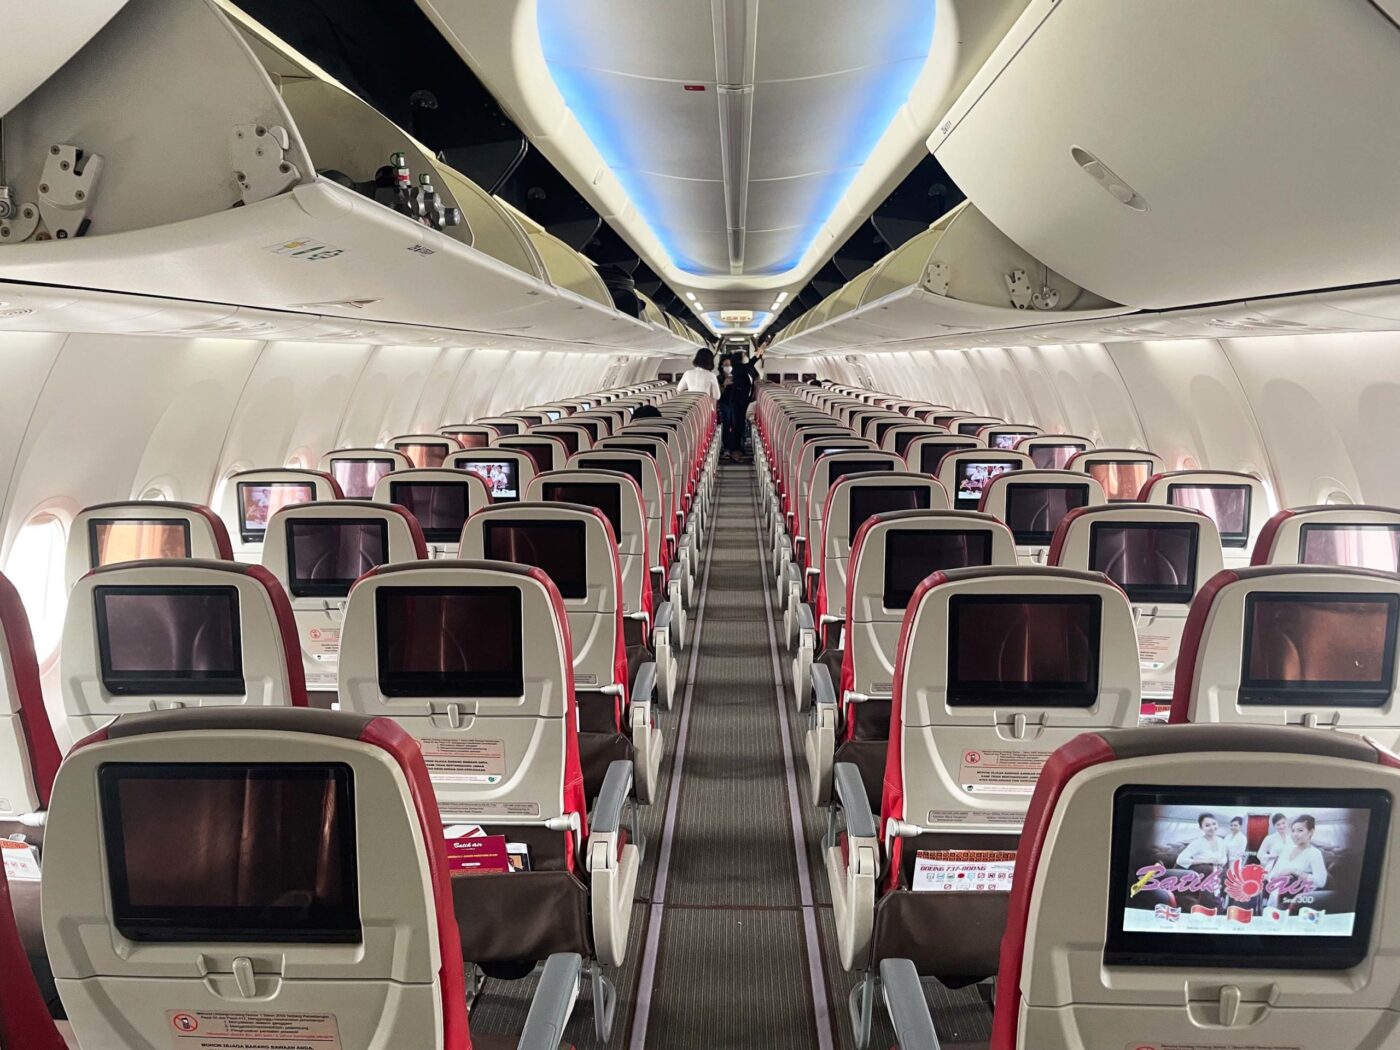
x,y
1034,502
358,470
141,530
1336,534
152,635
506,472
440,501
249,499
1293,645
425,451
1121,471
317,551
1237,502
1054,451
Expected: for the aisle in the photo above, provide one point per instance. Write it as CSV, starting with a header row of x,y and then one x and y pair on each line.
x,y
730,930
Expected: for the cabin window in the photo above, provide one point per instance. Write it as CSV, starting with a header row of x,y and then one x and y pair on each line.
x,y
35,567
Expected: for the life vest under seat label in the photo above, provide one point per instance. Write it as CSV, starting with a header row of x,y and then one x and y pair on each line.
x,y
1001,772
464,760
21,861
227,1030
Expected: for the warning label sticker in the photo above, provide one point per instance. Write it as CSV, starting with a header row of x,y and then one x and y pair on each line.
x,y
1154,649
965,816
218,1030
488,809
21,861
1211,1046
1001,772
458,760
322,642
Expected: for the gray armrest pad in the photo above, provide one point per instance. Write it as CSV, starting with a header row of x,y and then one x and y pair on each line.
x,y
823,692
850,789
664,615
675,574
909,1013
804,618
612,797
644,686
553,1002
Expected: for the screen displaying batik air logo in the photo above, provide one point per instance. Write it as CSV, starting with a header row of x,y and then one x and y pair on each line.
x,y
1290,870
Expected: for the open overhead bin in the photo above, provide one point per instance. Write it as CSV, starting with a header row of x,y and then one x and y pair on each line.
x,y
185,153
1175,154
960,276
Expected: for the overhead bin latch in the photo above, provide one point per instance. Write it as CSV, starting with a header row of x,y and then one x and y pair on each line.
x,y
67,189
1025,296
936,275
260,164
18,221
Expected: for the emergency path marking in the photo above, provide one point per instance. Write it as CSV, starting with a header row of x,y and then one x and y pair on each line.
x,y
222,1030
1001,772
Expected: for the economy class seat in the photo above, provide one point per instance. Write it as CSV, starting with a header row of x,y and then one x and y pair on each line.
x,y
1121,471
803,573
288,925
1268,959
506,471
1161,557
1034,502
666,574
898,438
1359,536
1007,435
996,668
29,759
152,635
141,530
317,551
647,621
1237,502
926,452
473,659
504,426
425,450
549,453
687,529
250,498
893,553
807,452
852,500
358,470
1053,451
1293,645
469,435
573,437
966,473
440,500
574,545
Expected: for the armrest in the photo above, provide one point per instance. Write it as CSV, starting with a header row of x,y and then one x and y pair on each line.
x,y
850,789
645,684
904,999
554,1000
612,798
674,576
823,692
806,623
664,615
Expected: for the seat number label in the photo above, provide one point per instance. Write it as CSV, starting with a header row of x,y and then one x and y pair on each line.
x,y
459,760
219,1030
1001,772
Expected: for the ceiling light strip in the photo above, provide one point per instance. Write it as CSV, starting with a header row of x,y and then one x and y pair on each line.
x,y
735,24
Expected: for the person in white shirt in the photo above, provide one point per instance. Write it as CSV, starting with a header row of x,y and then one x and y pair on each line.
x,y
1237,845
1300,858
700,378
1273,846
1209,849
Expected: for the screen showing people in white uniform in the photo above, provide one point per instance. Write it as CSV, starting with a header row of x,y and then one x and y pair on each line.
x,y
258,501
973,478
1209,867
502,477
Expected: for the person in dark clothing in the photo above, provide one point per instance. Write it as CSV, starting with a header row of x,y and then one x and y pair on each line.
x,y
646,412
736,383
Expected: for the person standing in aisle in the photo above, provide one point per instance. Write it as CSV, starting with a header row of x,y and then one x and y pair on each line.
x,y
700,377
737,378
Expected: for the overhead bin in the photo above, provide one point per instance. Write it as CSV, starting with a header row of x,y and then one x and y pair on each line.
x,y
39,40
1174,154
962,275
185,153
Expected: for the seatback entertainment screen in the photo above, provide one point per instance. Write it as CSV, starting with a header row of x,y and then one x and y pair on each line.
x,y
1257,878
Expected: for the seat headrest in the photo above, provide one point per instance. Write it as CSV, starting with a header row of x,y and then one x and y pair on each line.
x,y
1284,643
1358,535
178,631
320,549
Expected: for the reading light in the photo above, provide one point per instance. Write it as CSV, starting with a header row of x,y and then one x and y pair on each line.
x,y
690,296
